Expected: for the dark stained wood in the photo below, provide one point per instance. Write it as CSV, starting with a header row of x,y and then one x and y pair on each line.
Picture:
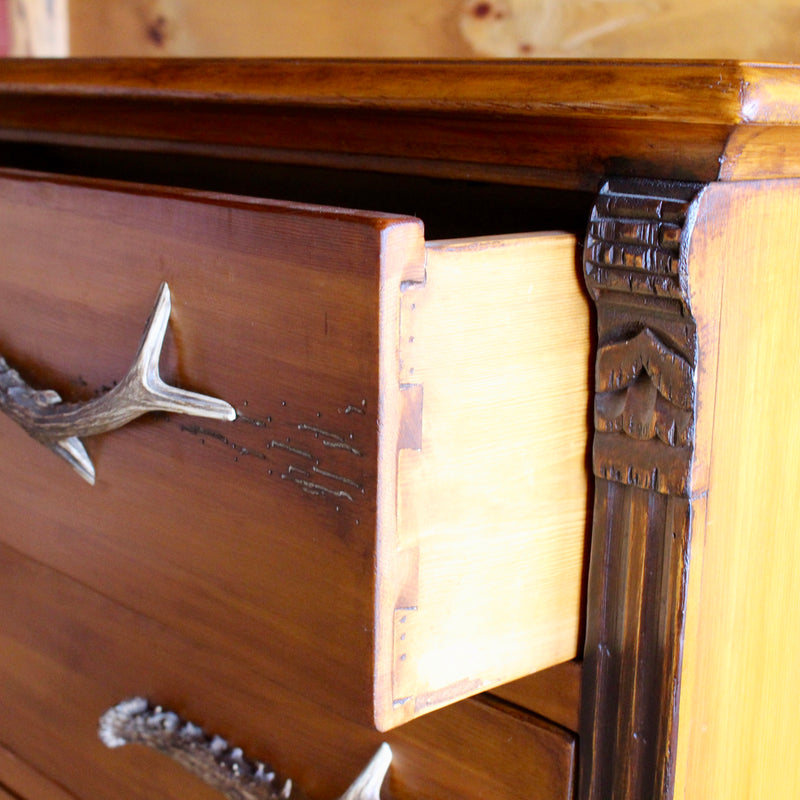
x,y
266,299
59,425
694,92
69,654
549,123
553,693
208,756
643,452
22,780
221,528
537,758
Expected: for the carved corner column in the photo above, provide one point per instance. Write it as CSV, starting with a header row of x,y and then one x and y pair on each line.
x,y
642,456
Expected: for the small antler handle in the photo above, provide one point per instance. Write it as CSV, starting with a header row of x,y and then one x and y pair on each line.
x,y
59,425
212,759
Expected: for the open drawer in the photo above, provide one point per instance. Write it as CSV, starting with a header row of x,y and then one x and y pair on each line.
x,y
396,518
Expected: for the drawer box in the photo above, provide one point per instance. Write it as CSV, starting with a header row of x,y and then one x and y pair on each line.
x,y
396,518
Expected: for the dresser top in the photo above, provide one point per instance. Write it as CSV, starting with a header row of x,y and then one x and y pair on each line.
x,y
559,123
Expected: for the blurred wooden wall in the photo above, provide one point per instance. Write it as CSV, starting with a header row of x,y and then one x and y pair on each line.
x,y
740,29
5,29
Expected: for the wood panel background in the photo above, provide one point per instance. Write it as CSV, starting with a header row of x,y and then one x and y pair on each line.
x,y
737,29
5,29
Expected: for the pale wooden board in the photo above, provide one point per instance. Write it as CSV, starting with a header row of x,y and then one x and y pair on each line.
x,y
38,27
738,711
243,28
5,29
492,506
738,29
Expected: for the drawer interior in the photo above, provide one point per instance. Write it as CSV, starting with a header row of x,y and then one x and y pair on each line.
x,y
450,208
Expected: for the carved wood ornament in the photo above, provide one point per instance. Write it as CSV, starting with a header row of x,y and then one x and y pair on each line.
x,y
642,455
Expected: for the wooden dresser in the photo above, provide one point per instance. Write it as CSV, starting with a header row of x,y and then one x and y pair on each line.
x,y
498,463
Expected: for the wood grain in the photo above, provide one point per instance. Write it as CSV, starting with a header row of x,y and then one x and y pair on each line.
x,y
496,343
69,653
644,451
553,693
562,124
22,780
620,29
718,563
292,314
742,614
266,300
246,28
412,29
710,93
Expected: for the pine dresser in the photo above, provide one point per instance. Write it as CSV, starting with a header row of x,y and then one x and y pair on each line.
x,y
444,405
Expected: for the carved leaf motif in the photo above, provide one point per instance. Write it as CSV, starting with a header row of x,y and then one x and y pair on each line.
x,y
644,390
620,364
623,412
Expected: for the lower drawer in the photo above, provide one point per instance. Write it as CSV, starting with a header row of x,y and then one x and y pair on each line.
x,y
69,653
18,779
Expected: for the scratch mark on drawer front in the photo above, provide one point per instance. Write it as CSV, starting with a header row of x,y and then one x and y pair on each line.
x,y
329,467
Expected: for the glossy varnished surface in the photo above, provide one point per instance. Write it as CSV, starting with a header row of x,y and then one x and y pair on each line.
x,y
69,653
276,308
737,725
278,537
689,92
548,123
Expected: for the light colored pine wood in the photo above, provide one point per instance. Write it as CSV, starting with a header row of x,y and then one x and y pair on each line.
x,y
5,28
39,27
254,28
742,648
411,28
631,29
492,497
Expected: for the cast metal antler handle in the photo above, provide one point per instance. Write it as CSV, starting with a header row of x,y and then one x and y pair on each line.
x,y
59,425
212,759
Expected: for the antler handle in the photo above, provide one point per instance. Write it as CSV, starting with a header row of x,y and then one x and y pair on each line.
x,y
212,759
59,425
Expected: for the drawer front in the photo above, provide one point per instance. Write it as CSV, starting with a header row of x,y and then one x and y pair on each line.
x,y
331,538
69,653
257,536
